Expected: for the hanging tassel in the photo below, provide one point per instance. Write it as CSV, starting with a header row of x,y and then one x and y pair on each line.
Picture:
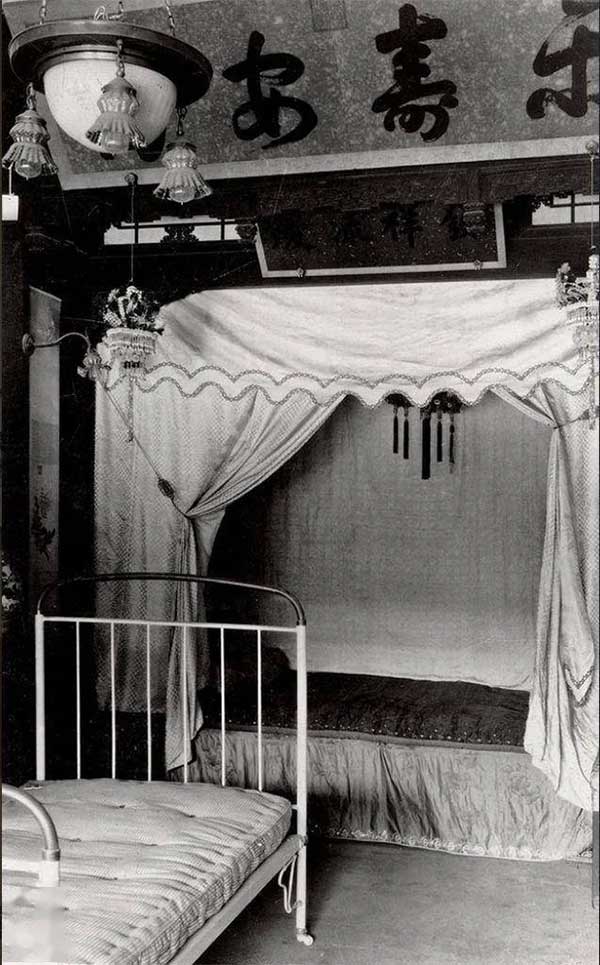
x,y
451,443
439,441
395,445
406,434
426,446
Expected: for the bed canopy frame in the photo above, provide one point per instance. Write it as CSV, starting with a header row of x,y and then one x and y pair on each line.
x,y
243,378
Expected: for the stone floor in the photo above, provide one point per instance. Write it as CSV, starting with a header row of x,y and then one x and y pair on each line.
x,y
373,904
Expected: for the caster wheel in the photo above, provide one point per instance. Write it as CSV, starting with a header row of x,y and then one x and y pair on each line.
x,y
305,938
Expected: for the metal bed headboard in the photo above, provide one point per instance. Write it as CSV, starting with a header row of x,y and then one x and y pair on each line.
x,y
299,631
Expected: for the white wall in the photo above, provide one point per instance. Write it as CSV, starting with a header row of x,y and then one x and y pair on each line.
x,y
400,576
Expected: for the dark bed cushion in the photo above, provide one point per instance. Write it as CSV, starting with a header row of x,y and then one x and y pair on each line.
x,y
383,706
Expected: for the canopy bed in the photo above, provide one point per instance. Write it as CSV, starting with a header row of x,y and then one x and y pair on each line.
x,y
243,379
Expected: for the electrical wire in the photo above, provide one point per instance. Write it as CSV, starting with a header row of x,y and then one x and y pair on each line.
x,y
592,155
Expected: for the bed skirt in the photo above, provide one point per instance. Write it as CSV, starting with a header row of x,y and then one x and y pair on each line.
x,y
488,802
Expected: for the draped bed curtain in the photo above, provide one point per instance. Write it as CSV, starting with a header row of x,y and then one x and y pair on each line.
x,y
243,378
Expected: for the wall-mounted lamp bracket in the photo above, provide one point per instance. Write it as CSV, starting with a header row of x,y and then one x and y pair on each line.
x,y
29,345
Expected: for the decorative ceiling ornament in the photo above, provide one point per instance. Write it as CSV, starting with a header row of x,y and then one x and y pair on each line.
x,y
182,182
70,61
29,155
578,297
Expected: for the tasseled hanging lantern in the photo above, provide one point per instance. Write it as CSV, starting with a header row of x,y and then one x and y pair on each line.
x,y
130,316
114,130
578,297
182,182
29,155
580,300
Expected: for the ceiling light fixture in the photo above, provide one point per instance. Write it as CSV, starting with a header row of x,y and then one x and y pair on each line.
x,y
181,182
28,155
72,61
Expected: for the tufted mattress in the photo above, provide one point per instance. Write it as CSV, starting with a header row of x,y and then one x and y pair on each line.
x,y
143,867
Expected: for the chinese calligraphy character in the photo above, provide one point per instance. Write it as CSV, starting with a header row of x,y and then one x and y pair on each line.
x,y
454,219
288,231
402,220
269,106
571,100
409,72
350,229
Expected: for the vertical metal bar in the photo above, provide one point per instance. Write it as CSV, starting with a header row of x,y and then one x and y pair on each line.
x,y
259,706
223,772
301,785
184,706
40,700
78,695
113,709
148,703
301,790
595,859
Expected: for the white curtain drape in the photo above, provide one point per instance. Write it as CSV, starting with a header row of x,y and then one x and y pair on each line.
x,y
244,377
562,727
210,451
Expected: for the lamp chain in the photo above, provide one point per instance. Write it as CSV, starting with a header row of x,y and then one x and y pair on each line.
x,y
132,181
592,149
101,14
591,199
30,97
120,61
181,112
43,10
170,16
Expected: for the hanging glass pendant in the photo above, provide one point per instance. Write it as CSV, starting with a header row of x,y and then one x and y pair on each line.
x,y
182,182
114,131
29,156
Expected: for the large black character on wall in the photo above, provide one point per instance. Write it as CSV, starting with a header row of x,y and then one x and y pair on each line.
x,y
571,100
409,70
268,108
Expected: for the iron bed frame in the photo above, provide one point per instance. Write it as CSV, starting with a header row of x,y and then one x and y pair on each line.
x,y
291,855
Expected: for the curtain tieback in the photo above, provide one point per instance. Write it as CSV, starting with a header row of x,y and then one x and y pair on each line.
x,y
168,489
580,418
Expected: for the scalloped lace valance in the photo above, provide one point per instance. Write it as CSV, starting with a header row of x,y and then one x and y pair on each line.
x,y
368,341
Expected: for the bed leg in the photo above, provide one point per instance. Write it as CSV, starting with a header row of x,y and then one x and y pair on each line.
x,y
301,899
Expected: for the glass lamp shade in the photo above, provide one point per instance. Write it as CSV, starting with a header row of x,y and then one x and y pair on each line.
x,y
72,88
